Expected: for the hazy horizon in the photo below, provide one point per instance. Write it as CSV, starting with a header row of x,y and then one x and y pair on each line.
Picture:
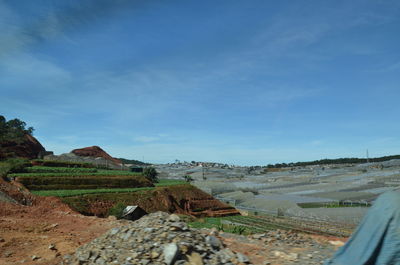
x,y
243,82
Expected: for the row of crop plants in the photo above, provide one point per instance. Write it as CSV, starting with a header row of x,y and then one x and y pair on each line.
x,y
79,192
61,175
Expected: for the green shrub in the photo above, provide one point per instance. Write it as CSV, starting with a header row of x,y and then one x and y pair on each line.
x,y
13,165
188,178
13,130
117,210
151,174
239,230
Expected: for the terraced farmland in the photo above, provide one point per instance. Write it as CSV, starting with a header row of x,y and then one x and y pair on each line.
x,y
76,178
78,192
261,224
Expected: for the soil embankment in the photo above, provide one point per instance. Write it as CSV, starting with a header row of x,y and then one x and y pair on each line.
x,y
181,199
28,147
44,230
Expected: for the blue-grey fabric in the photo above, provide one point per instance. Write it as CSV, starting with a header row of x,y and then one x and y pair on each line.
x,y
377,238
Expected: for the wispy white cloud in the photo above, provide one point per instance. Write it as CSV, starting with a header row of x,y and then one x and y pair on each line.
x,y
12,37
317,142
146,139
24,71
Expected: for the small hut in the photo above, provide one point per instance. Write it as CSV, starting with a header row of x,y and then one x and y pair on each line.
x,y
133,213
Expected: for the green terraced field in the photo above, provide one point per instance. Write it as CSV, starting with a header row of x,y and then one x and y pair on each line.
x,y
42,169
77,192
100,173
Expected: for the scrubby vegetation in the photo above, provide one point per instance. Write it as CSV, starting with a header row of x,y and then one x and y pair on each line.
x,y
242,225
188,178
13,130
12,133
132,161
13,165
151,174
117,210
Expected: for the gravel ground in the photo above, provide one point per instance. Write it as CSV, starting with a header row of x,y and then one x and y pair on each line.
x,y
158,238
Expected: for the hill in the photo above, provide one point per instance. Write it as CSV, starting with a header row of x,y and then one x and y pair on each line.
x,y
95,151
17,141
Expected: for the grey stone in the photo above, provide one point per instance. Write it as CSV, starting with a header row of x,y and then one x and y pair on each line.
x,y
214,242
242,258
170,252
173,218
34,257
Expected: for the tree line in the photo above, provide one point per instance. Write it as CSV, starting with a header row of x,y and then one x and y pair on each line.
x,y
351,160
13,130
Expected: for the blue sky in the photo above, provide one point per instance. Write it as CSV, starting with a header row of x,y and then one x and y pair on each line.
x,y
239,82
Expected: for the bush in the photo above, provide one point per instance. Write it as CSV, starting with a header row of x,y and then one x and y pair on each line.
x,y
13,130
117,210
188,178
151,174
13,165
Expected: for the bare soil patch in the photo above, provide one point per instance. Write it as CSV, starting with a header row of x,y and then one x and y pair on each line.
x,y
48,230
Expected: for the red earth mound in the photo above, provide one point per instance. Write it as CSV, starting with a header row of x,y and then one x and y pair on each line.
x,y
95,151
29,148
46,229
181,199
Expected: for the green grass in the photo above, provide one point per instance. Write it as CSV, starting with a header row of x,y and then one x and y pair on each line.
x,y
42,169
85,181
102,173
240,224
78,192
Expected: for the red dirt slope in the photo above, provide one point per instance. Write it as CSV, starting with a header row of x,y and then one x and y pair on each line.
x,y
29,148
181,199
95,151
47,229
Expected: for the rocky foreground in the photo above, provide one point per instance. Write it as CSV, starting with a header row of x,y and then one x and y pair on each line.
x,y
160,238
